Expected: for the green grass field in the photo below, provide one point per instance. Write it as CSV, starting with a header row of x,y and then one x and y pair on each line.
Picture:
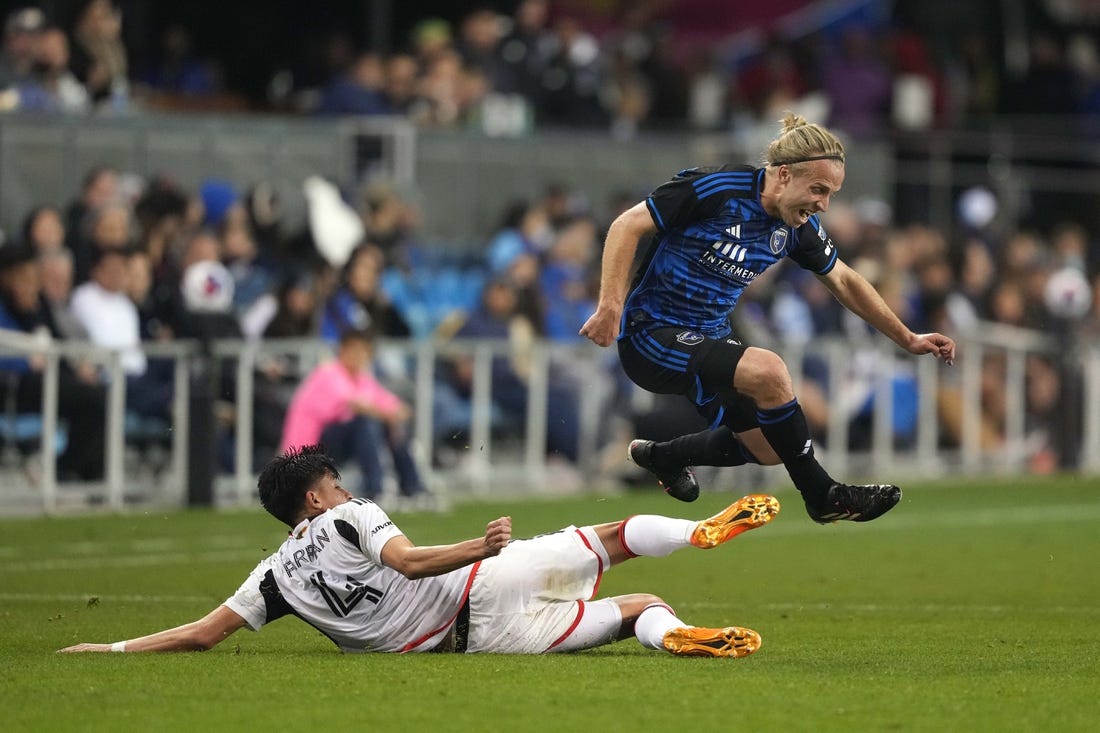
x,y
972,606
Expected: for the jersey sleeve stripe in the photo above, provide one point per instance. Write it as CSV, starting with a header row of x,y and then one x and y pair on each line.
x,y
655,214
716,181
832,263
708,184
724,175
724,189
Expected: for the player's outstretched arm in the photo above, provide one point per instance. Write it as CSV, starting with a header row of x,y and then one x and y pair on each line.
x,y
424,562
860,297
602,326
197,636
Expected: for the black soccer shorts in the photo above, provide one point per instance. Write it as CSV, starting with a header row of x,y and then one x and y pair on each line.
x,y
675,360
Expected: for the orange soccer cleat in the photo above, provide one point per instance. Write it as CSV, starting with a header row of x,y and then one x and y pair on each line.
x,y
697,641
748,512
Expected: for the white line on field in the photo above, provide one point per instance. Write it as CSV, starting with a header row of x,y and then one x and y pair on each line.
x,y
131,561
166,545
903,608
154,544
103,597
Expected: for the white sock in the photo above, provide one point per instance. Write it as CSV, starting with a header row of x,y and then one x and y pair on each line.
x,y
652,624
650,535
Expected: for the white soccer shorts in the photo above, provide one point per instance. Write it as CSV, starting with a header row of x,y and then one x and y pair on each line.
x,y
530,597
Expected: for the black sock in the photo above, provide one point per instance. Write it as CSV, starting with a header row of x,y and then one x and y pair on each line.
x,y
719,447
786,431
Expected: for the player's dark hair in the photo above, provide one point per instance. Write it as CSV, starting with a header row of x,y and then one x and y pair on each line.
x,y
286,479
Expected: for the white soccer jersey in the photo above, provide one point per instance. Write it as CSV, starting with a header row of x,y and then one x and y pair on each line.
x,y
329,573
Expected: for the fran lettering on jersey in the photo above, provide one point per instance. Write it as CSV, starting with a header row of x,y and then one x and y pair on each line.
x,y
309,553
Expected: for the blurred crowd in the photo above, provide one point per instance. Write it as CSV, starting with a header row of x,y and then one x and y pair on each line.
x,y
623,67
131,261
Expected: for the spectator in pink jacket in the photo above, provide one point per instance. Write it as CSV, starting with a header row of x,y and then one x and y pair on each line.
x,y
342,405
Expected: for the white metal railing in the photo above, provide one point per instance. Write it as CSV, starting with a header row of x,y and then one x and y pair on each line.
x,y
114,480
518,460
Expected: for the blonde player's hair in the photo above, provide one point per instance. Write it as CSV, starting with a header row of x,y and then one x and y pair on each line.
x,y
800,141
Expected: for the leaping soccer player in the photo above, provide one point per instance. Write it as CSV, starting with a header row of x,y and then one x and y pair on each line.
x,y
715,230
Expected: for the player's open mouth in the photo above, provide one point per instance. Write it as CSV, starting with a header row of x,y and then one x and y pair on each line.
x,y
804,214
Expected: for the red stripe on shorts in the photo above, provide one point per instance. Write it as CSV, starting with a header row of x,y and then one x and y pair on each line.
x,y
599,561
465,595
576,622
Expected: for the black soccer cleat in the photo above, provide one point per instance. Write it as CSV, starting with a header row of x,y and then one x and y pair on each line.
x,y
679,483
855,503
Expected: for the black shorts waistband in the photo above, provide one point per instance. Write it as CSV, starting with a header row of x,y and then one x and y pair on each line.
x,y
462,627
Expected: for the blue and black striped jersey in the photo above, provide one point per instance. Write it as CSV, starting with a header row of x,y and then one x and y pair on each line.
x,y
714,238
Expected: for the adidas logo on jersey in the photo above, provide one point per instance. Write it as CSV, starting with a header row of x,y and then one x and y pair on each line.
x,y
734,231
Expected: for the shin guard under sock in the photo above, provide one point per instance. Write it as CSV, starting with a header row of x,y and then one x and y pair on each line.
x,y
650,535
786,431
718,447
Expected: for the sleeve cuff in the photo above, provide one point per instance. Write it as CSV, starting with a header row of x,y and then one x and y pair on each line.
x,y
252,619
655,214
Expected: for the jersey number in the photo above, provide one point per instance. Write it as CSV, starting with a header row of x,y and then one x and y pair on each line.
x,y
342,605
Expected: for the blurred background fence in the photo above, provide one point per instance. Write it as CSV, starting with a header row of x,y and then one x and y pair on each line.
x,y
915,418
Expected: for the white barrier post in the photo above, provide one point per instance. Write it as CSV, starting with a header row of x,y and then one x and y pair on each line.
x,y
116,438
49,431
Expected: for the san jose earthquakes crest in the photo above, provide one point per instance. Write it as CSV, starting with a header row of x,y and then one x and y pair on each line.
x,y
779,240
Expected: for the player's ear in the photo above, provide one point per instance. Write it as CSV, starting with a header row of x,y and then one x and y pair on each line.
x,y
312,499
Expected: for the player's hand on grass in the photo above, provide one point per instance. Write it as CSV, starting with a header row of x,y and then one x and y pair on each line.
x,y
85,648
498,533
940,346
602,327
